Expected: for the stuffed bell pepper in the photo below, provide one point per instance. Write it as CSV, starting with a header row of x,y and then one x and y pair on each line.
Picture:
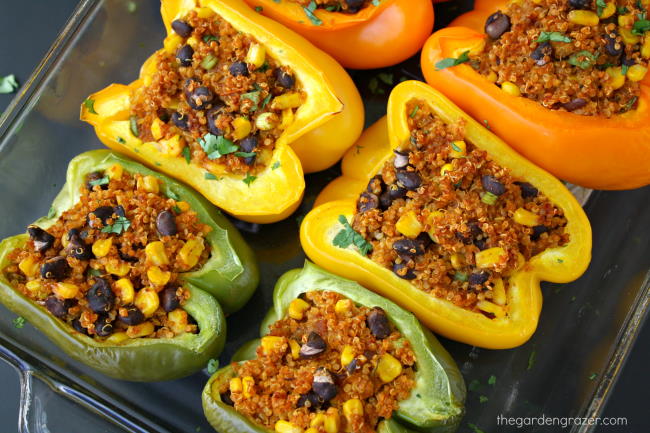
x,y
235,105
360,34
562,81
449,222
129,272
335,357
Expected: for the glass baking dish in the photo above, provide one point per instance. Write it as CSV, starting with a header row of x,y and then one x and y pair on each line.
x,y
566,370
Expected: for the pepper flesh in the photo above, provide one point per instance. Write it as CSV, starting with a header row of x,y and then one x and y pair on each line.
x,y
230,275
439,406
562,264
374,37
592,151
333,108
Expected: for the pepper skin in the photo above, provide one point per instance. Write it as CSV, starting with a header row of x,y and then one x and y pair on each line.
x,y
375,37
562,264
230,276
435,406
591,151
333,108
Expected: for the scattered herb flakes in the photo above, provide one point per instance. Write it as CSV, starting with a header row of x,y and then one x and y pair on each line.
x,y
492,380
309,11
266,100
249,179
9,84
373,86
275,165
451,61
94,272
157,164
348,236
588,59
474,428
259,9
90,105
386,78
187,154
245,154
177,210
487,125
209,38
120,225
474,385
171,194
641,26
101,181
600,6
482,399
19,322
460,276
630,104
213,366
333,8
531,360
455,147
560,261
592,376
51,213
210,176
216,146
414,111
253,96
133,124
552,37
622,10
121,140
131,7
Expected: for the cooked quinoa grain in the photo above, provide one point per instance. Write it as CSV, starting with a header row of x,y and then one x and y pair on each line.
x,y
586,57
109,266
328,362
216,97
444,216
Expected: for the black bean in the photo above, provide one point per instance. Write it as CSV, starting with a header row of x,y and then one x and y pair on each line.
x,y
126,257
408,247
284,79
375,185
464,238
395,191
226,399
409,179
180,120
481,244
164,114
184,55
182,28
119,211
627,61
478,278
95,175
527,190
133,315
574,104
309,400
55,269
100,296
168,299
401,159
474,229
323,384
490,184
200,99
354,4
424,239
403,271
367,201
377,322
613,46
314,346
212,117
103,328
248,144
58,307
385,201
102,214
166,223
43,241
580,4
541,52
77,247
497,24
537,232
76,324
352,366
239,68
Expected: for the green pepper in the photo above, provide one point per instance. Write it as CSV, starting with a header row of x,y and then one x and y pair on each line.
x,y
227,280
436,402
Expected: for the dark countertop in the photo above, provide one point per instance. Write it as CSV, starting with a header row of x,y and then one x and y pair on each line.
x,y
29,29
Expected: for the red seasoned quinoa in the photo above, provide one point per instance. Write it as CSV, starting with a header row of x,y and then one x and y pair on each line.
x,y
216,97
444,216
109,266
345,6
584,56
328,362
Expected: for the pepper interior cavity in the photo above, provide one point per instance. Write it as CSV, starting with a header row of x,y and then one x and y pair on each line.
x,y
345,6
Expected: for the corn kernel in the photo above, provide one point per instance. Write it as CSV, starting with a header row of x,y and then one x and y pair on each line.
x,y
458,149
29,266
248,384
456,261
626,21
33,286
156,129
191,252
583,18
65,290
241,128
171,146
636,72
125,290
117,267
117,338
431,221
388,368
147,301
347,355
265,121
332,422
297,308
287,100
193,42
65,241
272,343
204,12
645,48
525,217
311,430
616,77
178,320
490,307
149,184
256,55
446,169
318,420
235,385
172,42
343,306
141,330
351,408
511,88
408,225
295,349
628,37
183,206
492,77
155,252
115,171
101,247
499,292
283,426
490,257
157,276
608,10
287,118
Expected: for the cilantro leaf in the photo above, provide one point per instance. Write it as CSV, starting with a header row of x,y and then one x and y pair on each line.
x,y
209,38
348,236
553,37
450,61
600,6
386,77
213,366
8,84
210,176
245,154
90,105
94,272
309,11
474,385
482,399
101,181
253,96
492,380
249,179
216,146
588,59
640,27
121,140
19,322
187,154
275,165
120,225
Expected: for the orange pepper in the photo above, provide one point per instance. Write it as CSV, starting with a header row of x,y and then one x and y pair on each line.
x,y
374,37
592,151
524,297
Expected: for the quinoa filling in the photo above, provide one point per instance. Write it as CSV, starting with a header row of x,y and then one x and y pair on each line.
x,y
329,365
444,216
583,56
217,98
345,6
109,266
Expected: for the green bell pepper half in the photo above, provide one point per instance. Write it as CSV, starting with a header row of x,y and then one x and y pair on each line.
x,y
227,279
436,404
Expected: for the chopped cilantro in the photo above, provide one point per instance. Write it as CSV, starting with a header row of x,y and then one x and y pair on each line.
x,y
101,181
553,37
386,78
482,399
19,322
245,154
460,276
259,8
487,125
187,154
414,111
216,146
131,6
373,86
309,11
474,385
450,61
90,105
210,176
9,84
266,100
492,380
264,67
630,104
120,225
600,6
253,96
560,261
213,366
177,210
474,428
455,147
592,376
588,59
209,38
348,236
641,26
133,124
94,272
275,165
531,360
249,179
622,10
121,140
333,8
